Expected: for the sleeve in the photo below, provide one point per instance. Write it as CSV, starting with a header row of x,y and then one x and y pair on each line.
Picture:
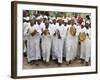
x,y
38,29
24,28
43,26
27,30
62,31
50,31
78,30
90,33
30,30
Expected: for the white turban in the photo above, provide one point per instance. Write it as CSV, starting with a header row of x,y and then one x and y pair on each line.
x,y
88,22
27,18
46,17
50,20
38,18
83,23
41,16
65,20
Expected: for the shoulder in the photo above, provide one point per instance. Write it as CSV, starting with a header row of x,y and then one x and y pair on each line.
x,y
42,24
36,25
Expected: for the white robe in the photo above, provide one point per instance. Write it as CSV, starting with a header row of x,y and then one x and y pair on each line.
x,y
53,29
88,46
70,45
58,44
40,27
83,46
65,38
26,25
76,44
33,46
46,41
46,47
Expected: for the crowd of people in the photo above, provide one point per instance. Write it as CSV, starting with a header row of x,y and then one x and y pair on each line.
x,y
48,39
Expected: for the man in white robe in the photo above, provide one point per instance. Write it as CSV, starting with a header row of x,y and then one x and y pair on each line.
x,y
26,25
53,28
40,25
83,45
78,28
46,43
59,42
88,44
76,43
33,44
70,44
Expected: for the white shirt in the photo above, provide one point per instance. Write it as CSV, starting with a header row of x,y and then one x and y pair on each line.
x,y
83,30
88,31
52,29
26,26
40,27
68,30
78,28
62,30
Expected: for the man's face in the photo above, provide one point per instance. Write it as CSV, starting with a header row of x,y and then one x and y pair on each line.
x,y
54,21
25,13
87,25
60,21
32,22
41,19
47,25
82,26
72,22
69,22
39,22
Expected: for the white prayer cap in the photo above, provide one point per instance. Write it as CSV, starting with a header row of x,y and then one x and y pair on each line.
x,y
65,20
50,20
41,16
83,23
38,18
27,18
45,17
88,22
